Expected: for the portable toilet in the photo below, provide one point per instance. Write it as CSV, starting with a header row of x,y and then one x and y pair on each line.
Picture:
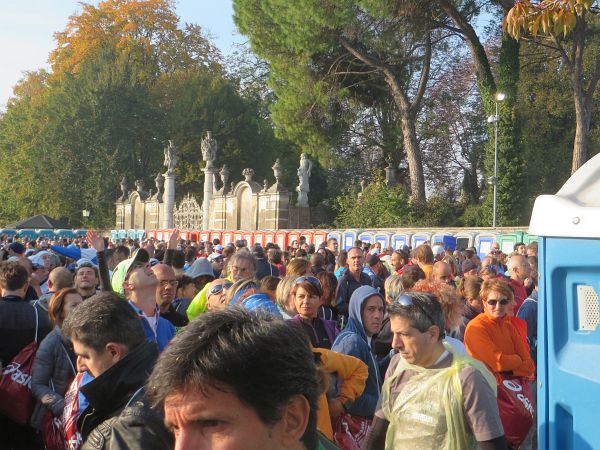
x,y
203,235
28,233
319,236
483,243
281,239
308,235
292,236
122,234
227,237
568,384
269,237
507,241
399,240
337,235
448,241
464,240
348,239
529,238
367,237
419,238
383,239
114,235
140,234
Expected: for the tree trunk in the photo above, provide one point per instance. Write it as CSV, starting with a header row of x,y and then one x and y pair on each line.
x,y
413,156
582,130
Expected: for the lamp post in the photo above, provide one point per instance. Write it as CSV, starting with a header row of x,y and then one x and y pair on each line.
x,y
495,119
86,214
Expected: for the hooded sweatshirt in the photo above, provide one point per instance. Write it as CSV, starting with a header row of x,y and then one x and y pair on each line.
x,y
353,341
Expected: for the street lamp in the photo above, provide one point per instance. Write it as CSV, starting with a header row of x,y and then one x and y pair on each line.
x,y
86,214
495,119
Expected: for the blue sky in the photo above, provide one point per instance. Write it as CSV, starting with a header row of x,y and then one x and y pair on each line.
x,y
27,27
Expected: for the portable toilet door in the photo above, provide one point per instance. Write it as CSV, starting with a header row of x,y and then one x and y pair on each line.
x,y
448,241
259,238
281,239
216,235
308,235
419,238
349,237
399,240
507,241
337,235
464,240
269,237
320,236
227,237
114,235
237,236
140,234
568,346
383,239
529,238
483,243
292,236
367,237
204,236
249,238
122,234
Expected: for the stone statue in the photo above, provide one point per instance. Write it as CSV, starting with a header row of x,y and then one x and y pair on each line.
x,y
209,149
277,170
304,172
265,185
248,173
224,173
124,188
139,184
170,158
159,181
232,186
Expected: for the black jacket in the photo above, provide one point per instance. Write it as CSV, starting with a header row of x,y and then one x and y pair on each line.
x,y
118,416
265,268
17,326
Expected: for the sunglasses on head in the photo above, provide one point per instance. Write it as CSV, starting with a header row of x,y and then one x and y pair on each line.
x,y
502,301
312,280
219,288
406,300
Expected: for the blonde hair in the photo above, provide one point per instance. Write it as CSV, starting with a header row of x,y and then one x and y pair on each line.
x,y
282,293
393,287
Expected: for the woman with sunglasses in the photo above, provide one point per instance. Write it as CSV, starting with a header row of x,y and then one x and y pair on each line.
x,y
307,293
492,338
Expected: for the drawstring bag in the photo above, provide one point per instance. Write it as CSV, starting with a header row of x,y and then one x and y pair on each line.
x,y
351,431
53,430
515,404
16,398
71,414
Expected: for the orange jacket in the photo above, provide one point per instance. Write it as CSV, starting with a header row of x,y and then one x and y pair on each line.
x,y
498,344
353,374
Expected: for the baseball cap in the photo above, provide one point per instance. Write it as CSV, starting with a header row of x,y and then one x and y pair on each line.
x,y
17,247
200,267
84,262
372,260
468,265
214,256
122,269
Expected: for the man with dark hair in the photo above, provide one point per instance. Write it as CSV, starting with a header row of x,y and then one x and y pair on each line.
x,y
18,319
433,397
235,379
165,294
110,344
87,278
263,267
352,279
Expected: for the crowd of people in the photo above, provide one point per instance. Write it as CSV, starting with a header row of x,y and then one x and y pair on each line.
x,y
188,345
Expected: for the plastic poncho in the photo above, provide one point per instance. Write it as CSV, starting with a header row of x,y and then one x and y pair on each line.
x,y
429,411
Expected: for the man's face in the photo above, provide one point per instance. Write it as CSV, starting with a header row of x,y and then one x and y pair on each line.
x,y
522,268
86,278
216,293
220,421
522,249
92,361
333,247
241,269
167,284
415,347
217,264
372,315
396,261
355,260
443,273
142,276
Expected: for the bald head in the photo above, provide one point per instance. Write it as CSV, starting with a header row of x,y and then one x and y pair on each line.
x,y
442,272
519,267
60,278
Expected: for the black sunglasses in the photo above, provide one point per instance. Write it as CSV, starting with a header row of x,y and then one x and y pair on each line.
x,y
405,300
312,280
503,302
219,288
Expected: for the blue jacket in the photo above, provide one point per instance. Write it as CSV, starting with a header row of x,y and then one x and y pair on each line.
x,y
165,331
353,341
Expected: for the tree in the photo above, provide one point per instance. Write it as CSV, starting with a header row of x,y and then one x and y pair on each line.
x,y
323,51
570,28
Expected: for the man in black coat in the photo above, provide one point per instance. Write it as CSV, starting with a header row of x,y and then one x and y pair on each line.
x,y
111,345
17,329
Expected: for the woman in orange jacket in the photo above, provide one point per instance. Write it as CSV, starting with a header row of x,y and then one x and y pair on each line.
x,y
492,337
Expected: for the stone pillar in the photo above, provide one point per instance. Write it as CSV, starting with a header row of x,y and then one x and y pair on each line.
x,y
209,154
169,200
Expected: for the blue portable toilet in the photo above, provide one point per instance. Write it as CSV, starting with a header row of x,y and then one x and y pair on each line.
x,y
43,232
483,243
64,233
348,237
399,240
122,234
114,235
448,241
383,238
28,233
337,235
367,237
140,234
80,232
419,238
8,231
464,240
568,385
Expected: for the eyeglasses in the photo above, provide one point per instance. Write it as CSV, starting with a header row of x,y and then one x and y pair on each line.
x,y
165,283
502,301
312,280
406,300
219,288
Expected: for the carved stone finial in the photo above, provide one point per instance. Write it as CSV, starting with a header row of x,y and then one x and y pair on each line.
x,y
209,149
265,185
170,161
248,173
139,184
232,186
224,173
124,188
277,170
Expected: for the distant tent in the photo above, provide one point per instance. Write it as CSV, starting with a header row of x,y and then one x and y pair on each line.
x,y
40,221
